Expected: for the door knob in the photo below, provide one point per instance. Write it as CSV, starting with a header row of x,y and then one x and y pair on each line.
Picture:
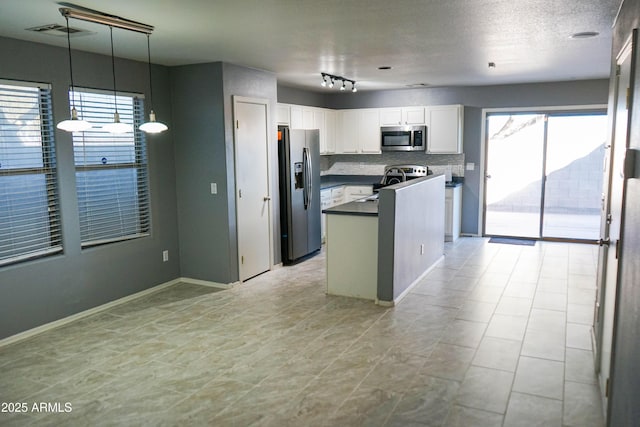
x,y
488,176
266,198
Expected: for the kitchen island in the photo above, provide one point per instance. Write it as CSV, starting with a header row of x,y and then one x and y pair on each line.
x,y
377,249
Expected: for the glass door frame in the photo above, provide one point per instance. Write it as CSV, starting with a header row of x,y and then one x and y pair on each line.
x,y
547,111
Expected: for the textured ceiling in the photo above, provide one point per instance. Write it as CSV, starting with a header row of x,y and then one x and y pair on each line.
x,y
435,42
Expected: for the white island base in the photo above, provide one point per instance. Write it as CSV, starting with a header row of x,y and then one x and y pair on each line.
x,y
352,254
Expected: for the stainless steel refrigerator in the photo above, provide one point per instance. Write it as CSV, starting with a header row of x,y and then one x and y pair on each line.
x,y
299,173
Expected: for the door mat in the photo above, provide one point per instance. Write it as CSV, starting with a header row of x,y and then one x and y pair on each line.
x,y
511,241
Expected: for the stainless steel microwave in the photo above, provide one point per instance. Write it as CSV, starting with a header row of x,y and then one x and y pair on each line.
x,y
403,138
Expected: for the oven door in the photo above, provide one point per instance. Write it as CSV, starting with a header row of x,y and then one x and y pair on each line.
x,y
396,139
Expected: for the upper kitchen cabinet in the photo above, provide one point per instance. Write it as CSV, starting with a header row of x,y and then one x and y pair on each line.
x,y
445,124
329,139
283,114
358,131
301,117
402,116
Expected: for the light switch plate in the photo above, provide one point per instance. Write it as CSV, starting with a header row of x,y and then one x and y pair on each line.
x,y
214,188
471,166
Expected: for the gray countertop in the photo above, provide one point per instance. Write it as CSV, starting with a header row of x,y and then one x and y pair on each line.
x,y
365,208
328,181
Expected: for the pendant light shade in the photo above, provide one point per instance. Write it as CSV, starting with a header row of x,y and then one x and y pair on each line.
x,y
116,126
152,126
73,124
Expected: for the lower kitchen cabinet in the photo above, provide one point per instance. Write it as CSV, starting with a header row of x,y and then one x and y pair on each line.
x,y
334,196
325,203
453,213
355,192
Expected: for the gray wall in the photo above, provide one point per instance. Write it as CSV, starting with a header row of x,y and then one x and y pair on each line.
x,y
202,99
44,290
200,159
474,98
400,262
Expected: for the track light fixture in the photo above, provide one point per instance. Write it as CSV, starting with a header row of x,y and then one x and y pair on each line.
x,y
333,79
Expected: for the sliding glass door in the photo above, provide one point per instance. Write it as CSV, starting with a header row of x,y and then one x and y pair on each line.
x,y
544,174
514,158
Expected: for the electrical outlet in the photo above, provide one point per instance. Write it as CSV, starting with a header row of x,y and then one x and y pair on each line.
x,y
165,256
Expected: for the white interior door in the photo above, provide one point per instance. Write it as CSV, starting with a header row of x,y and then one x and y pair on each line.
x,y
252,187
610,229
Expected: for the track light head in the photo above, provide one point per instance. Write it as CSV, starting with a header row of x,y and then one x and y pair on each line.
x,y
330,81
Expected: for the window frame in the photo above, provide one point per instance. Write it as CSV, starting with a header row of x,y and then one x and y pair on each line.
x,y
139,164
48,170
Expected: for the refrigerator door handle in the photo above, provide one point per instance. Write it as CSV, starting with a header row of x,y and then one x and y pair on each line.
x,y
309,184
305,179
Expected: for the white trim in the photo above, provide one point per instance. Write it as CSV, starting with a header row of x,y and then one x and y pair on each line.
x,y
409,288
66,320
483,143
207,283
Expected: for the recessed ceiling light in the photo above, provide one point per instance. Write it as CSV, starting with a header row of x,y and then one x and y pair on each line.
x,y
584,35
384,67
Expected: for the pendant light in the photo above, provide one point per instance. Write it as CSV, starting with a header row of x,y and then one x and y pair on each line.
x,y
116,126
152,126
73,124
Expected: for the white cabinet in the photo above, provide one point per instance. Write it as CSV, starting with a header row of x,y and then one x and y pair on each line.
x,y
453,213
445,124
329,197
296,117
402,116
301,117
358,131
325,203
283,114
355,192
347,141
330,133
337,195
369,131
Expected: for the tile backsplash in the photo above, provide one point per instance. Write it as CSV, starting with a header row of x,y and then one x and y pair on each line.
x,y
373,164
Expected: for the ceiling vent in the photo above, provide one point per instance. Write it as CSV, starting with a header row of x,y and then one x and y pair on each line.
x,y
57,30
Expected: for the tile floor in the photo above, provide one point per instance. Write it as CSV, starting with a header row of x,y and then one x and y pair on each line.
x,y
496,335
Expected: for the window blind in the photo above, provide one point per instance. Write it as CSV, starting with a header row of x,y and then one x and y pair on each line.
x,y
29,203
111,170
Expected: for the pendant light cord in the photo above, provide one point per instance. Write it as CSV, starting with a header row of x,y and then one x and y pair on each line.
x,y
113,69
73,103
150,84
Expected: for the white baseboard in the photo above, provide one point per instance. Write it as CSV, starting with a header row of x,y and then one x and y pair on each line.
x,y
207,283
411,286
66,320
